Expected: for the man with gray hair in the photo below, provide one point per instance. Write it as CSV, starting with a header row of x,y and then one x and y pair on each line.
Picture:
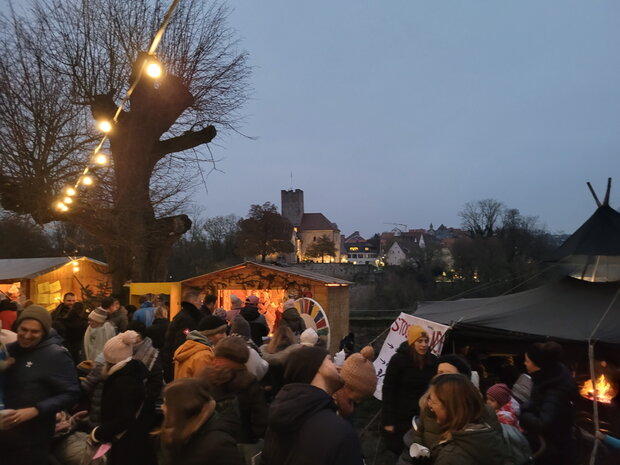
x,y
183,323
236,304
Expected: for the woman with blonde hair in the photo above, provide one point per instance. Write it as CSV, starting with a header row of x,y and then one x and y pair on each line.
x,y
191,433
466,438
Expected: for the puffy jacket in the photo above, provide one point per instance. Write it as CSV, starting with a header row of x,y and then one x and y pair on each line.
x,y
193,355
157,332
43,377
185,321
403,386
476,444
550,413
304,429
292,319
428,432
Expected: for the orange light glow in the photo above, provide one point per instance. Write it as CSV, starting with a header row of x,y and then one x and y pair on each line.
x,y
605,390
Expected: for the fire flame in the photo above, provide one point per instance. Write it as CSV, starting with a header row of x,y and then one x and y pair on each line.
x,y
605,391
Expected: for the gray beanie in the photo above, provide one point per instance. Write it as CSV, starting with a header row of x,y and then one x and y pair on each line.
x,y
36,312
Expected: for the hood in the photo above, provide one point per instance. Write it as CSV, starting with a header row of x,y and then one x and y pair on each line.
x,y
189,348
291,314
147,305
480,442
294,404
250,313
227,380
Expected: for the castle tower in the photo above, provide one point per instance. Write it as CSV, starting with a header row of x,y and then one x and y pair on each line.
x,y
293,205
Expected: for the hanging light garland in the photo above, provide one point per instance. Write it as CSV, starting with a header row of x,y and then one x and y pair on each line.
x,y
153,69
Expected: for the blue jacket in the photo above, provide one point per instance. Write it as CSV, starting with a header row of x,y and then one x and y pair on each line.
x,y
43,377
146,314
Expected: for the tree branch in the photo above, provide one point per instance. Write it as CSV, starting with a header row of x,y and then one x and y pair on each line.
x,y
188,140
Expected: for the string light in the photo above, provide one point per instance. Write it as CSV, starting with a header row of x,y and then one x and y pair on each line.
x,y
105,126
76,269
101,159
153,69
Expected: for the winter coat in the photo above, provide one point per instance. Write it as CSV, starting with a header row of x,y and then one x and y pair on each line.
x,y
121,408
476,444
75,328
119,320
157,332
292,319
145,314
95,339
257,322
181,325
550,413
403,386
277,362
428,432
193,355
304,429
7,318
212,444
92,389
43,377
227,382
508,414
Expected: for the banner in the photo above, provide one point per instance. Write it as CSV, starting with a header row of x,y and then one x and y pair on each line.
x,y
398,334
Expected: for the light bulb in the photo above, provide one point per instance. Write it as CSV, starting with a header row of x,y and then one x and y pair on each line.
x,y
101,159
76,269
70,191
75,263
60,206
64,208
67,200
105,126
87,180
154,70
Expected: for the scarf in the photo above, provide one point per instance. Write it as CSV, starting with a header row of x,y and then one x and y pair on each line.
x,y
146,353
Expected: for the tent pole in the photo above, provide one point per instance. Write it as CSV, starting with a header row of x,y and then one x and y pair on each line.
x,y
594,401
598,260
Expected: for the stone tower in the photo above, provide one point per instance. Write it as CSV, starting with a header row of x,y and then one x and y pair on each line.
x,y
293,205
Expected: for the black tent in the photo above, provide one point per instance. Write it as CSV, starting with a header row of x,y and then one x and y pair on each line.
x,y
567,309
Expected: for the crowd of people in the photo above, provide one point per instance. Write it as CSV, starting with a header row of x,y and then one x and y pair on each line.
x,y
217,387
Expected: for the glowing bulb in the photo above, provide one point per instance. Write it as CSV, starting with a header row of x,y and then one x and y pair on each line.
x,y
76,269
153,70
101,159
75,263
67,200
87,180
70,191
64,208
60,206
105,126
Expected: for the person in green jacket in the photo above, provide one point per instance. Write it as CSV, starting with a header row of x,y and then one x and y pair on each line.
x,y
466,438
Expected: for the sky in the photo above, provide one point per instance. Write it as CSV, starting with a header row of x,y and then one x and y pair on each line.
x,y
402,111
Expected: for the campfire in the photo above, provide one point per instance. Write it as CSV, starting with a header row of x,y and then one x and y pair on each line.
x,y
605,390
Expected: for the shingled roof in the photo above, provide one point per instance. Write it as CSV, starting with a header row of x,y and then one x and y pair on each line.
x,y
316,221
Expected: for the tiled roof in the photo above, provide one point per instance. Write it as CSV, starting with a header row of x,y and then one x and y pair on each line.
x,y
315,221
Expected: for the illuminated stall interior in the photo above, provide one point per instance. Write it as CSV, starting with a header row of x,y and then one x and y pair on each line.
x,y
273,285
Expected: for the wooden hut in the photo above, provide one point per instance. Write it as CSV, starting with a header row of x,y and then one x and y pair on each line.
x,y
275,284
46,280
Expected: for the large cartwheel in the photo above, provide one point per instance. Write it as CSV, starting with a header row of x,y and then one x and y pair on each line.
x,y
315,317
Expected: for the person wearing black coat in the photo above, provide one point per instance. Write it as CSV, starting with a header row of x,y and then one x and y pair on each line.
x,y
75,324
41,382
182,324
406,379
550,413
157,331
192,433
123,423
303,427
258,324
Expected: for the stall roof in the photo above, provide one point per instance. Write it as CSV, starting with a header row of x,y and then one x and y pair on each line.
x,y
28,268
289,270
567,309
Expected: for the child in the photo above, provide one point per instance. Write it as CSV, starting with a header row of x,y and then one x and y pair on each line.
x,y
500,399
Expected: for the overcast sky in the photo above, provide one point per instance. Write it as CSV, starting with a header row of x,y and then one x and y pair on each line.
x,y
401,111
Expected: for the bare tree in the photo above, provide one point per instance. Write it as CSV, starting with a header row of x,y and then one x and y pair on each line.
x,y
67,61
481,218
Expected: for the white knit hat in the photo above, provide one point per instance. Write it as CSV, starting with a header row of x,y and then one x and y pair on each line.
x,y
309,338
120,347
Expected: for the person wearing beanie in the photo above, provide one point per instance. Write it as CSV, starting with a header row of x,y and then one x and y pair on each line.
x,y
292,318
406,379
240,398
197,351
98,332
123,418
258,324
309,337
453,363
550,411
360,382
305,409
499,398
41,381
281,346
255,364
